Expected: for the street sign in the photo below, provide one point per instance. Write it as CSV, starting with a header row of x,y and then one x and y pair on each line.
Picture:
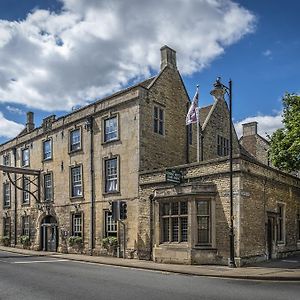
x,y
174,176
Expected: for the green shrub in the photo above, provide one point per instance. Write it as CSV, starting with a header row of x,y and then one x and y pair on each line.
x,y
110,243
75,240
6,240
25,240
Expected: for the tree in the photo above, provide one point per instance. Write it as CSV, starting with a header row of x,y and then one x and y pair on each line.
x,y
285,142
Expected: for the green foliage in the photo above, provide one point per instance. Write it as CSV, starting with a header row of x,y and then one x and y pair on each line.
x,y
25,240
285,143
5,240
110,243
75,240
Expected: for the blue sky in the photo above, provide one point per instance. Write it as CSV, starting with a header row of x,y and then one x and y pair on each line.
x,y
56,55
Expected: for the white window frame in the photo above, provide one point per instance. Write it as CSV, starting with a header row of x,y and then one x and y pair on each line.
x,y
26,225
76,181
77,224
25,160
6,194
111,226
47,155
48,188
109,129
75,145
111,175
26,195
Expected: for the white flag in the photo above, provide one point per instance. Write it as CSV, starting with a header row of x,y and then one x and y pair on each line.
x,y
193,113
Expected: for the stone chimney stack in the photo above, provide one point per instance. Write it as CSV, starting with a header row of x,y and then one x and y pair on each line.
x,y
168,57
30,122
250,129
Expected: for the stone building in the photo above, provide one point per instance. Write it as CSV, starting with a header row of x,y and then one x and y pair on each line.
x,y
118,149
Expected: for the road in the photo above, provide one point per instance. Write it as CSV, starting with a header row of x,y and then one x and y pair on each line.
x,y
33,277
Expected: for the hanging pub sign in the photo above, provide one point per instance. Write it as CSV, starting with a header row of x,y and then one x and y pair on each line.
x,y
173,175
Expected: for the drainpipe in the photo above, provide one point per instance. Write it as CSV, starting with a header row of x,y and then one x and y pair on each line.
x,y
187,149
15,197
152,222
90,127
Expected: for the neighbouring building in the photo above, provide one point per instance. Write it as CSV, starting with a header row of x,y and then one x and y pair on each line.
x,y
118,149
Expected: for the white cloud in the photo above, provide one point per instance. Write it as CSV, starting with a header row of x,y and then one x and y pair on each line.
x,y
9,129
53,61
15,110
266,124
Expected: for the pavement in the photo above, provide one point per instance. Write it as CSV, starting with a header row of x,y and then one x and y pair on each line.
x,y
287,269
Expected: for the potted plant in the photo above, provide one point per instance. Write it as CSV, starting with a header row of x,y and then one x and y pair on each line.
x,y
25,241
110,243
6,240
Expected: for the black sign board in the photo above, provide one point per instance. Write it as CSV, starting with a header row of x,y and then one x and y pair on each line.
x,y
174,176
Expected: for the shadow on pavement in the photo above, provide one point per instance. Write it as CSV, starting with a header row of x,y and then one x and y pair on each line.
x,y
290,262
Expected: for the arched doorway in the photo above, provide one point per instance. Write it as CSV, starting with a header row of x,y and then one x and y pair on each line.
x,y
49,234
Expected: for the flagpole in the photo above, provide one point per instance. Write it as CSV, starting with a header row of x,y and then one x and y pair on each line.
x,y
198,136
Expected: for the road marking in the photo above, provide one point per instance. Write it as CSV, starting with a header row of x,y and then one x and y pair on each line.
x,y
38,261
290,261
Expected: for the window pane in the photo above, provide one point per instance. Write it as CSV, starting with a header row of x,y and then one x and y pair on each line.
x,y
111,129
175,229
184,229
203,208
166,209
174,208
75,140
77,225
166,230
161,114
203,230
111,175
6,194
183,208
26,187
48,186
47,149
25,225
76,182
25,157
